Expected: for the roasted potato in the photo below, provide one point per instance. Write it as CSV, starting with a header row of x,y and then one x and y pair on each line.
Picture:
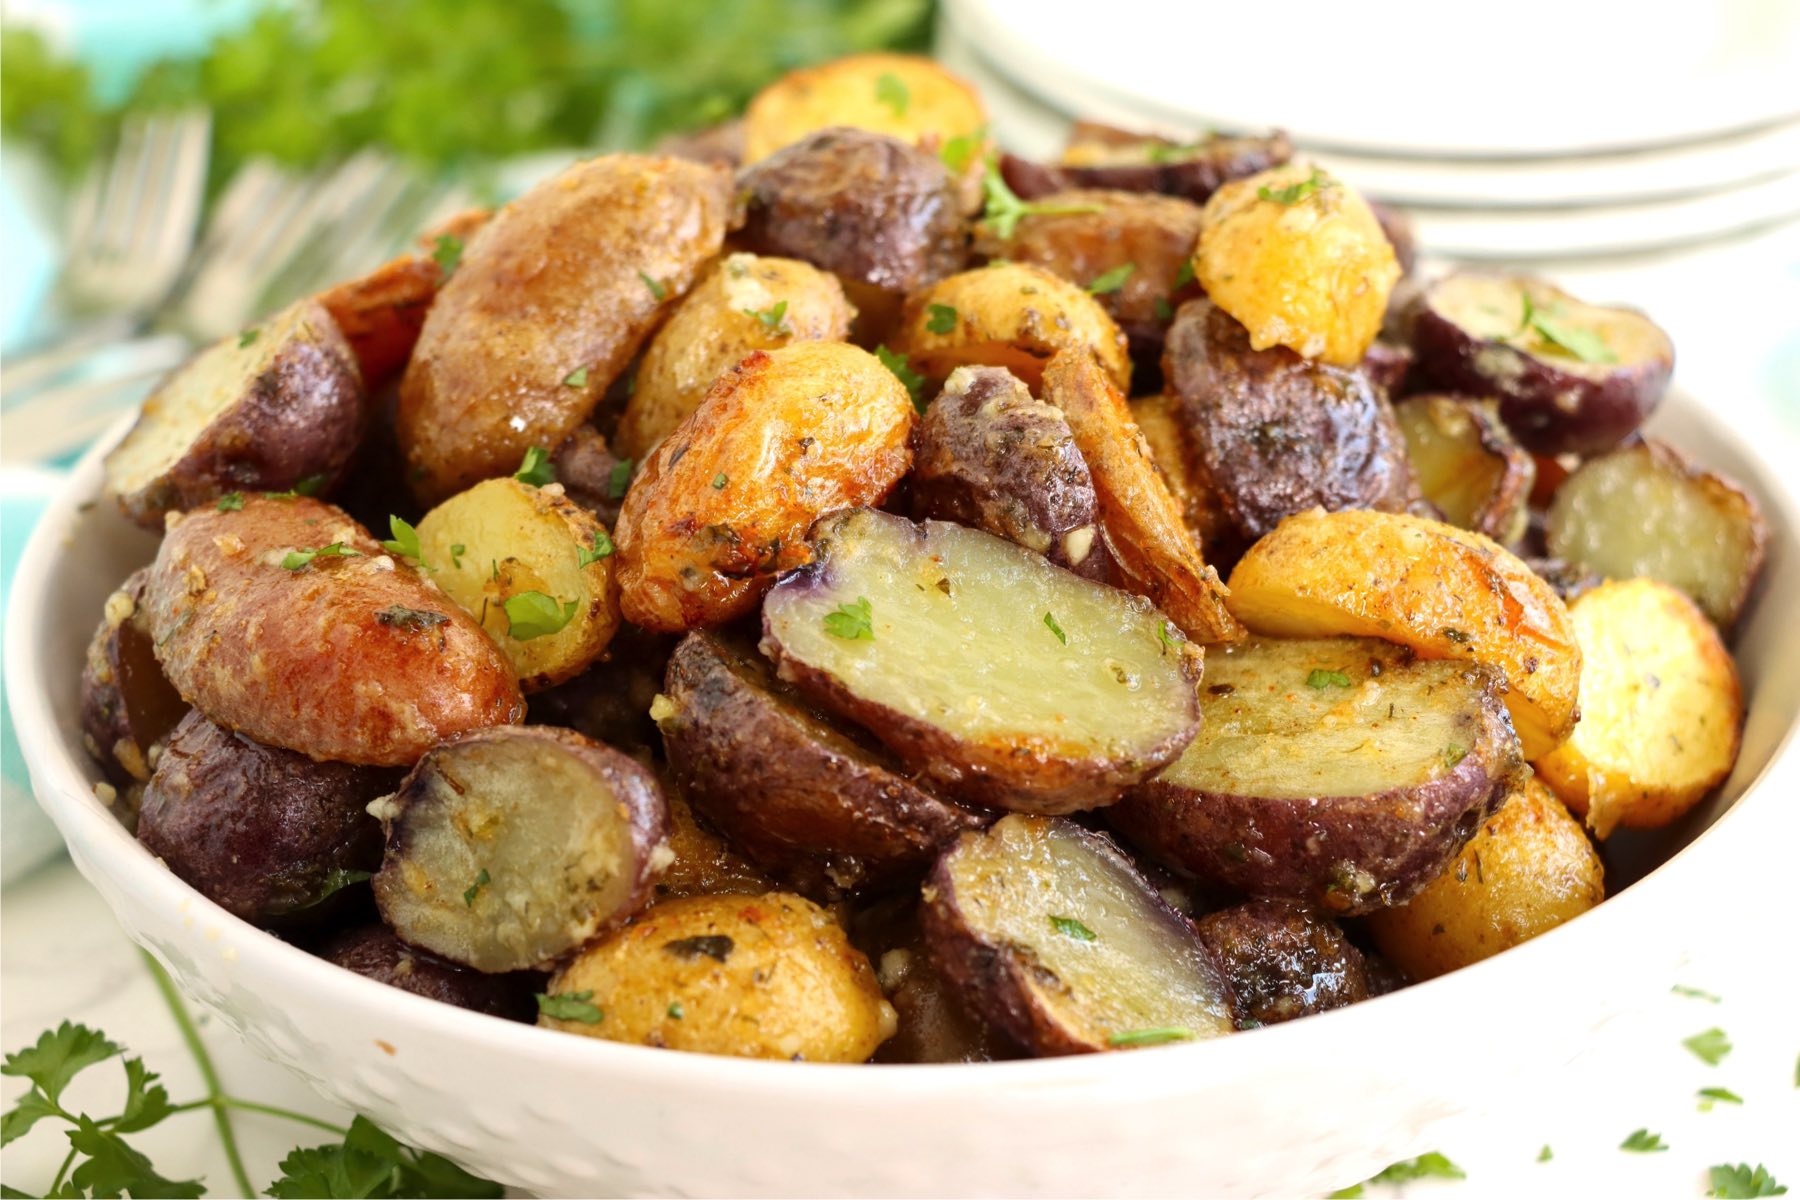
x,y
1099,156
610,701
768,976
551,300
372,950
1340,771
128,707
509,848
986,454
722,143
1297,256
704,864
1468,464
821,807
724,504
933,1023
1661,709
1444,592
533,567
1283,960
259,410
744,303
1570,377
1388,366
591,474
1160,419
283,619
1049,932
1566,579
1528,869
1010,315
901,95
1139,520
1275,434
1000,678
1647,510
261,832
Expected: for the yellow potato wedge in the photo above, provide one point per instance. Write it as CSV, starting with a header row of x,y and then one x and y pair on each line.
x,y
902,95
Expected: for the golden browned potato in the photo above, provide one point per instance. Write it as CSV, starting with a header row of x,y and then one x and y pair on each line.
x,y
551,301
904,96
769,976
745,303
1661,709
1468,464
283,620
1159,419
534,567
724,505
1446,592
1011,315
1528,869
1300,259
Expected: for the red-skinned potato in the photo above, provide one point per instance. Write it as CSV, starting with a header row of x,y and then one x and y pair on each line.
x,y
373,951
1283,960
128,706
1100,156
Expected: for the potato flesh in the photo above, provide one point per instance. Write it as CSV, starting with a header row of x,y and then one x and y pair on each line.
x,y
978,658
1492,308
849,91
1478,481
1276,724
1142,970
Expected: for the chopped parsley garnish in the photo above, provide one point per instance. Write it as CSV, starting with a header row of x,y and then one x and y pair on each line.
x,y
1717,1095
1544,1155
1158,153
1294,193
296,559
576,379
1642,1141
1454,754
902,369
1004,210
957,151
309,485
1582,344
474,889
602,548
247,337
1455,635
231,502
535,467
1113,280
676,1012
774,319
1185,275
1069,927
1150,1037
457,550
1710,1046
656,289
1695,993
720,480
891,92
415,619
405,541
618,481
1164,312
1050,623
716,946
941,318
1165,635
1321,679
570,1006
534,615
852,621
1742,1182
446,252
1427,1166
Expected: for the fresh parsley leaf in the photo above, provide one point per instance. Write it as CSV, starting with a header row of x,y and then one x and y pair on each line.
x,y
1151,1037
1742,1182
309,485
1709,1046
231,502
535,467
1165,633
457,550
570,1006
1353,1192
113,1168
957,151
474,889
405,542
1717,1095
247,338
1185,275
1695,993
1642,1141
774,319
534,615
446,252
1176,152
1544,1155
1582,344
893,93
720,480
940,318
1004,210
656,289
618,481
297,559
1069,927
1294,193
1430,1165
146,1101
852,621
1454,754
676,1012
1050,623
602,548
1321,679
576,379
1113,280
369,1163
1162,308
32,1107
902,369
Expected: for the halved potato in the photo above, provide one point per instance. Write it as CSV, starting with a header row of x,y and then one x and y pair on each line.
x,y
127,705
1010,315
1300,259
1647,510
821,807
373,951
1468,464
1050,933
1340,771
533,567
1528,869
1661,709
905,96
1139,519
259,410
511,847
1100,156
1283,960
1002,678
1443,591
934,1025
1160,420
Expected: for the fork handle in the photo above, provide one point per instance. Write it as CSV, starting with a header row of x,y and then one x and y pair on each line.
x,y
43,362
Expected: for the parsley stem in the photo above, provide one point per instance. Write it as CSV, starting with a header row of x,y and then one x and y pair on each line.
x,y
208,1073
56,1184
267,1110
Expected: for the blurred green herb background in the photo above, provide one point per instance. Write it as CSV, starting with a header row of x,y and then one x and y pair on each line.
x,y
452,84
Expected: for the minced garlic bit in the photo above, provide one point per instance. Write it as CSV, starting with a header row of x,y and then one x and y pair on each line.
x,y
119,608
106,793
662,708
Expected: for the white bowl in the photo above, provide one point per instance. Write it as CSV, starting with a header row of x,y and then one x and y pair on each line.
x,y
1286,1110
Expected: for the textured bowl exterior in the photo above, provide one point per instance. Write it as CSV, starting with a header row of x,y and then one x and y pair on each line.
x,y
1286,1110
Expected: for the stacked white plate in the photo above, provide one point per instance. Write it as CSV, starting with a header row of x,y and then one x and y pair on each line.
x,y
1524,129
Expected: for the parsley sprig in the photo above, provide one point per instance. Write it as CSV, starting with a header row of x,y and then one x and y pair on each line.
x,y
1294,193
298,560
1004,210
536,614
902,369
1742,1182
535,468
852,621
1547,324
1431,1165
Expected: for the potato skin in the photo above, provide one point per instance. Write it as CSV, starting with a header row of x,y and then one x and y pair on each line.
x,y
1099,156
303,659
769,976
298,411
1528,869
1283,960
824,810
373,951
1160,419
848,91
715,327
724,504
989,456
262,832
585,465
1468,464
128,707
552,287
1276,434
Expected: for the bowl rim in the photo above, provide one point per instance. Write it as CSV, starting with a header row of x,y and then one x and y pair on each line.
x,y
63,782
